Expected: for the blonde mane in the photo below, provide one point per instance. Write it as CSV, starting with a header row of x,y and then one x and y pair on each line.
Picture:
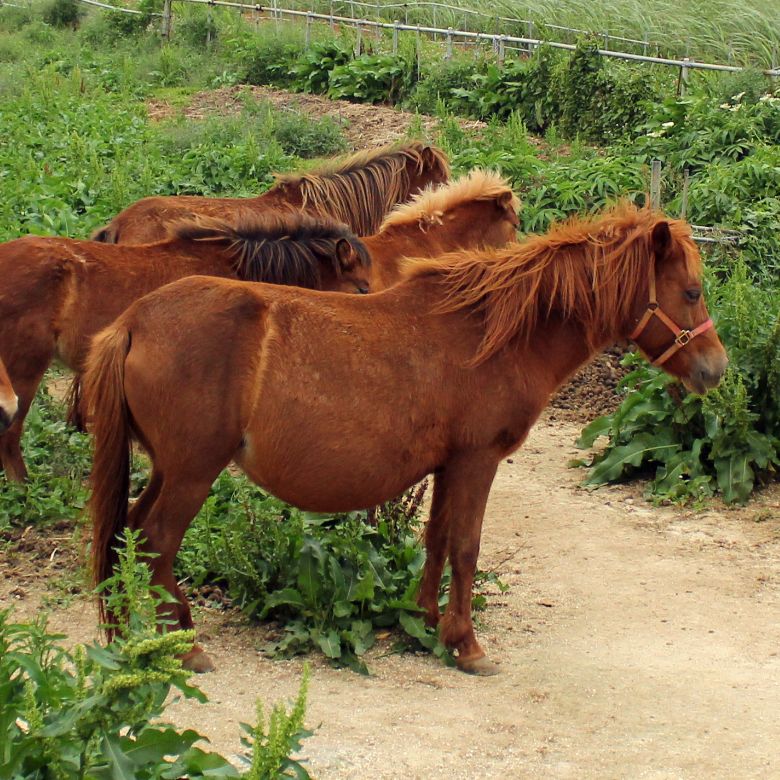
x,y
588,269
360,190
428,206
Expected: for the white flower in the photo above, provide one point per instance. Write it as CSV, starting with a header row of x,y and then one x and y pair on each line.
x,y
655,134
668,124
738,97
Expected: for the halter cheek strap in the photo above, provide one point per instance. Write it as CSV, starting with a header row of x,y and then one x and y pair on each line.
x,y
681,335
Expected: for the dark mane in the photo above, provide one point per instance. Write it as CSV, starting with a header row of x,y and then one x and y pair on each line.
x,y
588,269
361,189
278,248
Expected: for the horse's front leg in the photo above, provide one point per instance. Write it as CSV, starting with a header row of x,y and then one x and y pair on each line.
x,y
462,491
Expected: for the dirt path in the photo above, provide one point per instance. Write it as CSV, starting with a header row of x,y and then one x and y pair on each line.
x,y
635,642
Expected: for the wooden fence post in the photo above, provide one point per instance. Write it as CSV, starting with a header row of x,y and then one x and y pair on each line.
x,y
655,184
166,20
684,197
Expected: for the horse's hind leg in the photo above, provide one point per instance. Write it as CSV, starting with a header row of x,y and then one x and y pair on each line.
x,y
25,387
163,513
466,494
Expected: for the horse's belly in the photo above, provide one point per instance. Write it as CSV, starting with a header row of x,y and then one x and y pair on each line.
x,y
332,479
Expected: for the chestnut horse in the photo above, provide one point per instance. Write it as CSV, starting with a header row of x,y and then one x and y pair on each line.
x,y
333,403
478,210
60,292
359,191
9,403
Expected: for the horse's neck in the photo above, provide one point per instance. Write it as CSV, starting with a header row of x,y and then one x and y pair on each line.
x,y
208,257
389,247
279,196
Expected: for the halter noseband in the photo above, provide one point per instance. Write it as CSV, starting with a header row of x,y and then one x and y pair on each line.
x,y
681,335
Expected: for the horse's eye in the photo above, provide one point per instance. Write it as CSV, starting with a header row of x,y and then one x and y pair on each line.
x,y
692,295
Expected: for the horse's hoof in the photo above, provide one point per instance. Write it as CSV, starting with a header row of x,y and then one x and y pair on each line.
x,y
482,666
197,661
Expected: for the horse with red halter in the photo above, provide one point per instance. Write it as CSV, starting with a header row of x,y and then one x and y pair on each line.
x,y
9,403
358,191
335,403
60,291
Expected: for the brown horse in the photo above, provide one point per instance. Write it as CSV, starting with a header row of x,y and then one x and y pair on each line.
x,y
476,211
9,403
359,191
60,292
333,403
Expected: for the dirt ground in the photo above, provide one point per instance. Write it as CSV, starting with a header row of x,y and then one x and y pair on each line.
x,y
365,126
634,642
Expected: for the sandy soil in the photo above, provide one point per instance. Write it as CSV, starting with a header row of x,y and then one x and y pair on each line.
x,y
634,642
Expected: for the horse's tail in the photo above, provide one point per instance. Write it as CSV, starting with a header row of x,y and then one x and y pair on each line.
x,y
75,414
106,235
110,422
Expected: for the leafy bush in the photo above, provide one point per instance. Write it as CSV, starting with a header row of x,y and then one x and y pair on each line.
x,y
329,581
312,71
63,13
93,712
443,80
378,78
87,712
725,441
197,27
303,137
264,59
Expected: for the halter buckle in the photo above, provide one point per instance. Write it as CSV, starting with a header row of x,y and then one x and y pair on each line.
x,y
682,338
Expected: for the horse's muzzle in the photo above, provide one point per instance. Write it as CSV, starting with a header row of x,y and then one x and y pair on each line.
x,y
706,374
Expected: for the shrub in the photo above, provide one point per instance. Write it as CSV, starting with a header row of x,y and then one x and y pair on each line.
x,y
94,711
197,28
442,81
63,13
298,135
312,71
377,78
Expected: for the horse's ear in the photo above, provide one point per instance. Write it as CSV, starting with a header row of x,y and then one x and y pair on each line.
x,y
504,201
346,255
661,240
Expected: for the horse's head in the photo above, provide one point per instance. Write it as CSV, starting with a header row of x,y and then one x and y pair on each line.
x,y
352,269
426,166
672,326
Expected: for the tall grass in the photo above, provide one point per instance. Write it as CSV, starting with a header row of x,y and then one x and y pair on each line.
x,y
717,30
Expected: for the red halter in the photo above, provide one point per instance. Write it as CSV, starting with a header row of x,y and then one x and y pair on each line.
x,y
681,335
